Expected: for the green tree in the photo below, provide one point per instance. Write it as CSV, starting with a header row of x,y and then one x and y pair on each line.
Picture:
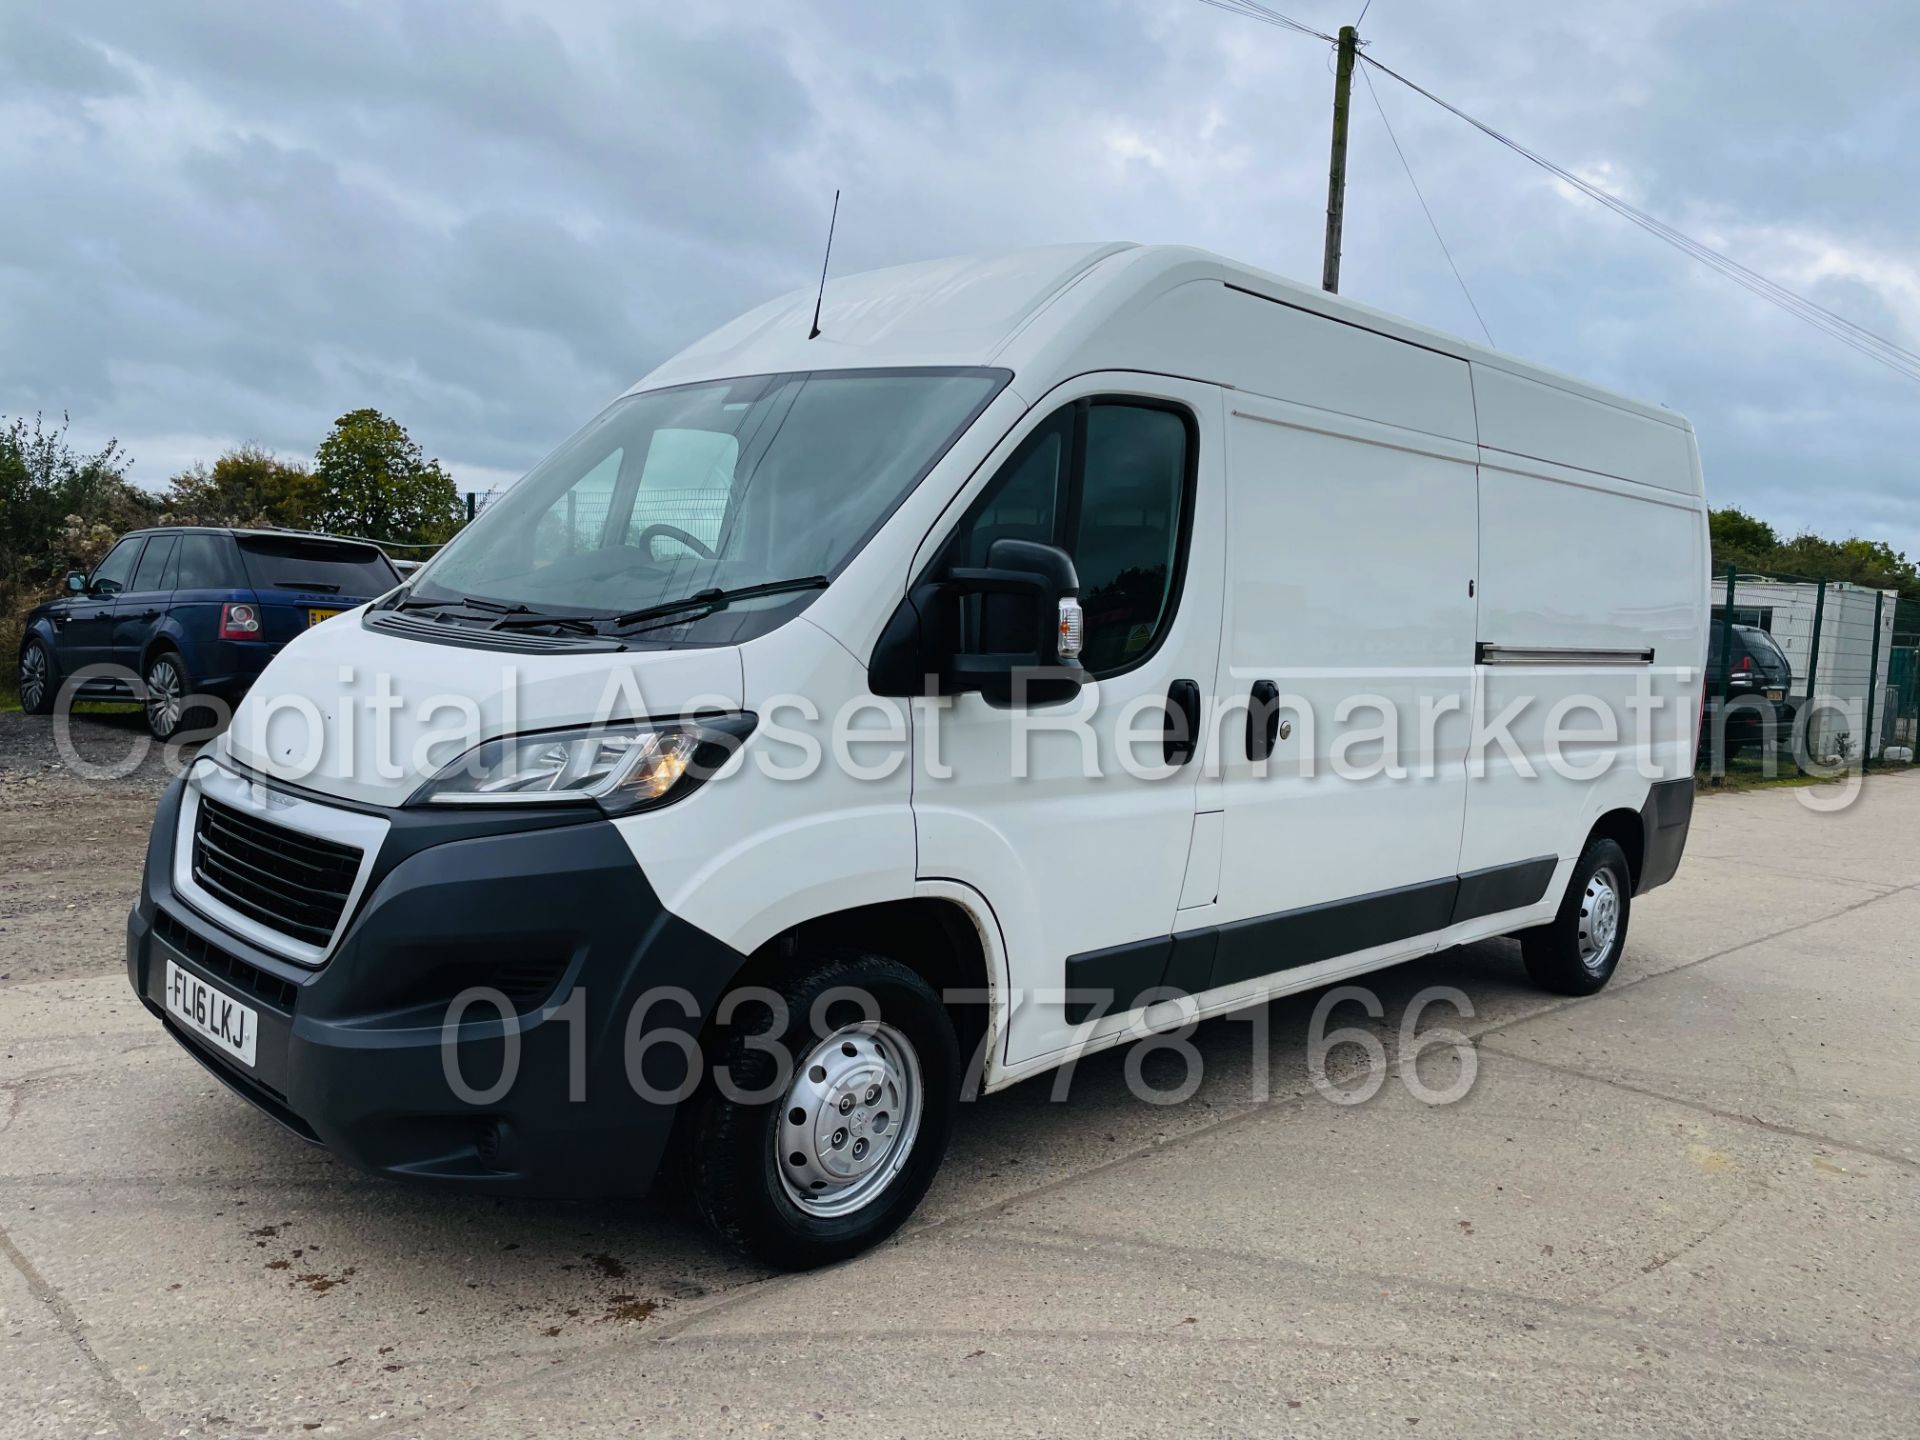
x,y
47,489
1741,539
246,486
1864,562
374,482
1752,545
58,508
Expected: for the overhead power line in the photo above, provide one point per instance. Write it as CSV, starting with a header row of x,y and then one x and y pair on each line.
x,y
1858,337
1424,207
1253,10
1855,336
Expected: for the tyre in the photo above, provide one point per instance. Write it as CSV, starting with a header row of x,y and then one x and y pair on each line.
x,y
1577,951
837,1120
168,695
39,678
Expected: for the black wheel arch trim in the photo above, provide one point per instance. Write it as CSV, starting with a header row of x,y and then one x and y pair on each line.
x,y
1665,819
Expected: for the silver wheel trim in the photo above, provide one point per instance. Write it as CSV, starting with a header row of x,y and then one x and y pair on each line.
x,y
165,687
33,676
1599,919
849,1119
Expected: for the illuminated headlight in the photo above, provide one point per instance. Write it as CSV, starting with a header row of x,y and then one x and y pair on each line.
x,y
620,767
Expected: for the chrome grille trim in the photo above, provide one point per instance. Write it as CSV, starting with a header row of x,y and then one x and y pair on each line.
x,y
330,829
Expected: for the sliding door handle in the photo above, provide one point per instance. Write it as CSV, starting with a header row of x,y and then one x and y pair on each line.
x,y
1182,735
1263,719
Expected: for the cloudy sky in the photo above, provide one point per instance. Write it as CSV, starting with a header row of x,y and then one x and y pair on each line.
x,y
232,221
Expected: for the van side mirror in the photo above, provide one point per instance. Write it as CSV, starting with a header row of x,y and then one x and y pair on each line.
x,y
77,582
1010,630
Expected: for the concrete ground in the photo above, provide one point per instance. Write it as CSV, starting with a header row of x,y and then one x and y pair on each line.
x,y
1688,1206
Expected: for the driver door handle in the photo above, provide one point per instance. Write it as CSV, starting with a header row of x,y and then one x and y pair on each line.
x,y
1263,719
1182,733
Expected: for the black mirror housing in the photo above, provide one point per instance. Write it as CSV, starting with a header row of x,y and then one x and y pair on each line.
x,y
1016,656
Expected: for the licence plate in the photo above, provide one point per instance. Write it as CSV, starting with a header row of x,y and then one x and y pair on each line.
x,y
1776,694
208,1012
314,617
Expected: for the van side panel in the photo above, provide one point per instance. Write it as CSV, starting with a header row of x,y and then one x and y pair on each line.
x,y
1600,569
1521,416
1206,330
1350,553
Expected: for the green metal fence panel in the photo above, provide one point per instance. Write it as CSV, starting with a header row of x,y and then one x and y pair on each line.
x,y
1903,696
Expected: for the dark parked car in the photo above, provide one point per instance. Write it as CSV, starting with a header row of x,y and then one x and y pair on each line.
x,y
190,611
1758,711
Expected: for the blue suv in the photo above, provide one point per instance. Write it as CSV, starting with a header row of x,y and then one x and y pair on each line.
x,y
189,611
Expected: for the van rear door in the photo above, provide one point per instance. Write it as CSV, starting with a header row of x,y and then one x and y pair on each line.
x,y
301,580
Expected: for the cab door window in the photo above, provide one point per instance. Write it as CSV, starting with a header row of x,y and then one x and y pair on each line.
x,y
1109,481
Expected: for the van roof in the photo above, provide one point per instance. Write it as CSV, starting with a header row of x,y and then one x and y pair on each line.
x,y
1013,306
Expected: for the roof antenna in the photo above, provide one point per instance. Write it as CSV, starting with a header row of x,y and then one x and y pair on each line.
x,y
814,333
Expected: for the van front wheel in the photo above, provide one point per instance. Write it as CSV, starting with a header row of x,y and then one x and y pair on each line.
x,y
1577,952
830,1111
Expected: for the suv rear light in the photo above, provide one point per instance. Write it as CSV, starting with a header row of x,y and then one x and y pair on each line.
x,y
239,622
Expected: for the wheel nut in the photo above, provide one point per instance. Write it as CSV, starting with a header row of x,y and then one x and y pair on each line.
x,y
846,1104
840,1138
873,1093
859,1149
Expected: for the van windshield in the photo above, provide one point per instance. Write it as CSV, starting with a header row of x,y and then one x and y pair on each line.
x,y
724,485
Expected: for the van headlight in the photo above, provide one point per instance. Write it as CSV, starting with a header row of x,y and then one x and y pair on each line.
x,y
620,767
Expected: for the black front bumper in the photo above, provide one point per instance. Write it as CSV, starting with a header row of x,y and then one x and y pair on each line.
x,y
547,907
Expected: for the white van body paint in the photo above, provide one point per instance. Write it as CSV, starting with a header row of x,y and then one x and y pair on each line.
x,y
318,719
1356,474
753,855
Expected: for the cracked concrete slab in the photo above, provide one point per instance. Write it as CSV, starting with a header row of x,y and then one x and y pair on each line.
x,y
1687,1206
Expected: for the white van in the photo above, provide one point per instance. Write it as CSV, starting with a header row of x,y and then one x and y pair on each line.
x,y
1061,644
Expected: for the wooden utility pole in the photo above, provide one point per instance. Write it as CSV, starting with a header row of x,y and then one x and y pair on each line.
x,y
1337,165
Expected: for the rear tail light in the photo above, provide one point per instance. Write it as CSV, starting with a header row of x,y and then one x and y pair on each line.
x,y
239,622
1746,663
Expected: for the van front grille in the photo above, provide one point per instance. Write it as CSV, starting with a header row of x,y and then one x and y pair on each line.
x,y
295,883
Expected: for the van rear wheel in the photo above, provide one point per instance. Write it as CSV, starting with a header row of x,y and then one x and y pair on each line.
x,y
1577,952
830,1112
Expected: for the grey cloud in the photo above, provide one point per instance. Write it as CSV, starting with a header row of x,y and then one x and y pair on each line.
x,y
38,55
241,220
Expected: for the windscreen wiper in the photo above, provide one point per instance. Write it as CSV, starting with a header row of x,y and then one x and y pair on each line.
x,y
708,601
462,602
534,621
